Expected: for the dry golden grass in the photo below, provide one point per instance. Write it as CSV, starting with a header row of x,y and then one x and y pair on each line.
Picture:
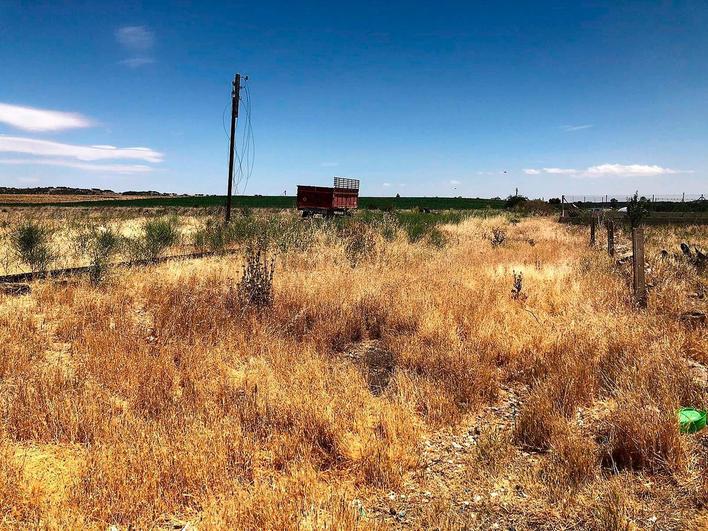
x,y
153,400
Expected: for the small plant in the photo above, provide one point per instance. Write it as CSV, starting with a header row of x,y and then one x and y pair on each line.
x,y
214,236
516,290
31,243
360,243
256,285
158,235
103,244
498,236
437,238
637,210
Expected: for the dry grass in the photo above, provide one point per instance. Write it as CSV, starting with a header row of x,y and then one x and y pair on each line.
x,y
161,401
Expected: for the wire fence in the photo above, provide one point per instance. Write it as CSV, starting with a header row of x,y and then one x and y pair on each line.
x,y
671,198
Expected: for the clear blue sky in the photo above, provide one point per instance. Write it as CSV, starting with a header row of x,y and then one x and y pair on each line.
x,y
429,98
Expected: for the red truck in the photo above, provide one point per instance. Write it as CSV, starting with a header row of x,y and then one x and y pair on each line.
x,y
340,199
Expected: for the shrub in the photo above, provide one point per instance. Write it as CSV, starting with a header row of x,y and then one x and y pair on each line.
x,y
102,245
256,285
637,210
214,236
158,235
514,201
31,243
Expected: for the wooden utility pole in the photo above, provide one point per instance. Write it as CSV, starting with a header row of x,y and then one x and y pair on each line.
x,y
610,237
640,289
235,96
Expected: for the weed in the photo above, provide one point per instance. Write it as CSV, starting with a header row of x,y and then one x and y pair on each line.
x,y
516,290
498,236
256,286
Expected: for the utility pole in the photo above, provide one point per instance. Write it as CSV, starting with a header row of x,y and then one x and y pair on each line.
x,y
235,95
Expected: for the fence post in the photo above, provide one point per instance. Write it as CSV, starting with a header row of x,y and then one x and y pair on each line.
x,y
610,237
640,289
593,224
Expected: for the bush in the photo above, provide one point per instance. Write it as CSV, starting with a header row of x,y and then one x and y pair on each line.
x,y
637,210
214,236
158,235
554,201
31,243
103,244
514,201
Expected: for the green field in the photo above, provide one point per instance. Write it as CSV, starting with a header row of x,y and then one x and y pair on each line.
x,y
275,201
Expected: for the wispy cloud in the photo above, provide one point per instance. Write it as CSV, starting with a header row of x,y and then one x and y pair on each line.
x,y
386,185
41,120
560,171
138,41
329,164
86,166
455,182
571,128
136,62
46,148
135,37
608,170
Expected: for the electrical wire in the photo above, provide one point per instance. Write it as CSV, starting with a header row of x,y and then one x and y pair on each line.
x,y
244,145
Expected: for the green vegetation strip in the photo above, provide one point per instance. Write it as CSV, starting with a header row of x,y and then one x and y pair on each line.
x,y
275,201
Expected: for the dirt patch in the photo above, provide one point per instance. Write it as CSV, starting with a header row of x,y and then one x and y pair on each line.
x,y
376,364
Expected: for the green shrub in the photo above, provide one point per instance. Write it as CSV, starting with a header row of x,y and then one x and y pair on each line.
x,y
158,235
31,242
637,210
214,236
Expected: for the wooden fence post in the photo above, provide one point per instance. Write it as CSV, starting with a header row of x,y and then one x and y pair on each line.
x,y
593,224
640,289
610,237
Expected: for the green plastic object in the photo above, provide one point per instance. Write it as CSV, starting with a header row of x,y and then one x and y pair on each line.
x,y
691,420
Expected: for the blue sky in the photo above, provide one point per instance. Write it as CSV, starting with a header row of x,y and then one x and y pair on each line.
x,y
430,98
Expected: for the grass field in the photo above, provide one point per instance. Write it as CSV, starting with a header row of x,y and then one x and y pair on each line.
x,y
458,370
277,202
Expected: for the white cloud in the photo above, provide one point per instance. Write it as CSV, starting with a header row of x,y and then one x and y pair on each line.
x,y
135,37
455,182
138,40
386,185
608,170
560,171
571,128
87,166
38,120
46,148
627,170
